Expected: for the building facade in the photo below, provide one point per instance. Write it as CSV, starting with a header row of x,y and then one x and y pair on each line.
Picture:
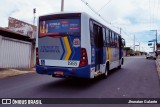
x,y
16,50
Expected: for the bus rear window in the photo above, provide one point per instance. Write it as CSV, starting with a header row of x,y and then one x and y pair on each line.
x,y
59,27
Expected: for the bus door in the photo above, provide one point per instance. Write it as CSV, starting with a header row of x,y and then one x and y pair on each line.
x,y
98,40
120,47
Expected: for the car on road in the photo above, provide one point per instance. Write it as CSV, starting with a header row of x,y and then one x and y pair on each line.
x,y
151,55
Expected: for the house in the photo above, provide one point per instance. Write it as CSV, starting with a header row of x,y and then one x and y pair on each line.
x,y
16,50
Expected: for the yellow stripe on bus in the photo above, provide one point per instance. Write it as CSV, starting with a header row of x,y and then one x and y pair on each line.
x,y
109,52
68,48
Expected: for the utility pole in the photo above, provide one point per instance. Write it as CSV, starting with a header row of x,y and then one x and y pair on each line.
x,y
134,43
139,47
155,42
154,47
62,5
120,30
34,16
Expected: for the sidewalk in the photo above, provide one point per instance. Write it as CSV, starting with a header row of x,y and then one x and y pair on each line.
x,y
158,65
13,72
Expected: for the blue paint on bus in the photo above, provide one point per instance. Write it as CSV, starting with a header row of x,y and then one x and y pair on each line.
x,y
83,72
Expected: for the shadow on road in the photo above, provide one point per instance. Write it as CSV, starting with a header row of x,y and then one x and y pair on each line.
x,y
72,83
150,59
75,83
114,71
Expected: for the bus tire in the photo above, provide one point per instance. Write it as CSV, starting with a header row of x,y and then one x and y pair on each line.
x,y
119,67
122,61
107,69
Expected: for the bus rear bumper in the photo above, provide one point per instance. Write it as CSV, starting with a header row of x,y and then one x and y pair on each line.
x,y
82,72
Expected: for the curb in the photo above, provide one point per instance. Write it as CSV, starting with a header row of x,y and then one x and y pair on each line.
x,y
158,67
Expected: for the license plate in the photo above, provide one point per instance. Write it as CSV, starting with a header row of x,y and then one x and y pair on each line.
x,y
58,73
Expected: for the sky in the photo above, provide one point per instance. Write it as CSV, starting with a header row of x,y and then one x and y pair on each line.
x,y
134,17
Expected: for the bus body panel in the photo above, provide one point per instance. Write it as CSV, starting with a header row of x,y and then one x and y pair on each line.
x,y
60,56
86,43
85,35
58,51
83,72
59,42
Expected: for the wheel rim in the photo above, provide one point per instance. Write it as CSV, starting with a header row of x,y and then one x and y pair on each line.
x,y
106,72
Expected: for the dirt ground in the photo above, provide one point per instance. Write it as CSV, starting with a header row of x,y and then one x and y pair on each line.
x,y
13,72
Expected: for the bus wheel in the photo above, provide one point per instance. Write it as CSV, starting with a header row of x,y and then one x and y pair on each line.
x,y
107,69
119,67
122,61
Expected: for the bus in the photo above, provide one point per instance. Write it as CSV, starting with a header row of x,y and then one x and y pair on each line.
x,y
76,45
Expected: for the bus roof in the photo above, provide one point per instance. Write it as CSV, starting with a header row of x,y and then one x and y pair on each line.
x,y
84,13
62,13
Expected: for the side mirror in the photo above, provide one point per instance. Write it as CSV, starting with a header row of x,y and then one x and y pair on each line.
x,y
124,43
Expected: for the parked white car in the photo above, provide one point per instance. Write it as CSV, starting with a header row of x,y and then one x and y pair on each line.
x,y
151,55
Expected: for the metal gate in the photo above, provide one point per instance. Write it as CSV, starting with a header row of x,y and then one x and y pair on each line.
x,y
14,53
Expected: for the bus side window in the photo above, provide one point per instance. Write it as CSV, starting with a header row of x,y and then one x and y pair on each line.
x,y
91,32
113,42
104,37
122,42
98,35
107,37
117,41
110,37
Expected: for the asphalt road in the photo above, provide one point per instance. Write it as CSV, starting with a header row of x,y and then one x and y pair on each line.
x,y
137,78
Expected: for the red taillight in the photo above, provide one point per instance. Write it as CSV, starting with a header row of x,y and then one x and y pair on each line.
x,y
37,58
84,58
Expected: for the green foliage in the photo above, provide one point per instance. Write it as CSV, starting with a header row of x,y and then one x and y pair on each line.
x,y
127,48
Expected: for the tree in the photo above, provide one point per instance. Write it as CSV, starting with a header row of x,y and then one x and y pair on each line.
x,y
129,51
127,48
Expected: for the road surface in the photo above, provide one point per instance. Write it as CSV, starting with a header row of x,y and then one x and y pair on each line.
x,y
137,78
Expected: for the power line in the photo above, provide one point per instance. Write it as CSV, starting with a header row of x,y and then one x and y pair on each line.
x,y
157,13
90,7
86,3
154,12
104,5
158,8
150,13
125,33
97,13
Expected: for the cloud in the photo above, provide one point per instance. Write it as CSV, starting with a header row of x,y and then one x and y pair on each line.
x,y
136,17
23,9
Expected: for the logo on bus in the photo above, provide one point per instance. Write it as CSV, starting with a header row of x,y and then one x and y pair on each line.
x,y
76,42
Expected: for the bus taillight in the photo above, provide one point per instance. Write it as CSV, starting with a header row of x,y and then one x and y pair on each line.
x,y
84,58
37,58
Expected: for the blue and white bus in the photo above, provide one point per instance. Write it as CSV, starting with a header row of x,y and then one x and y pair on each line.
x,y
76,45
